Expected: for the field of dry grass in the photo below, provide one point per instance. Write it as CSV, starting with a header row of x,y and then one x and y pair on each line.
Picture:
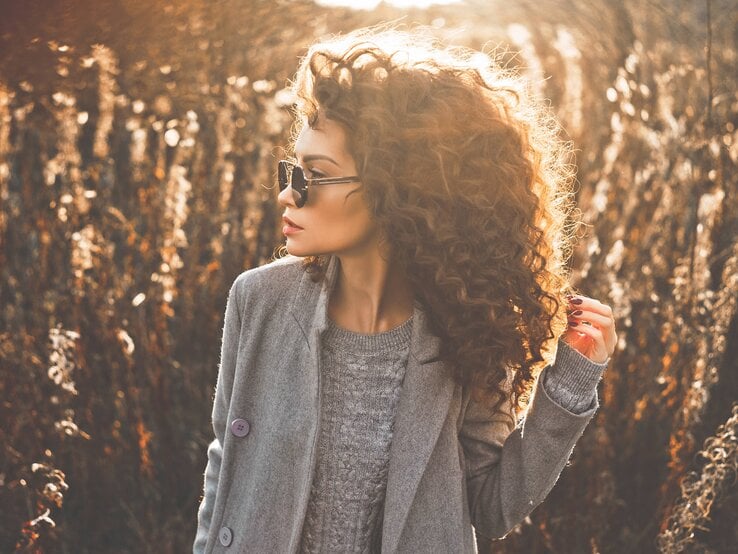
x,y
137,141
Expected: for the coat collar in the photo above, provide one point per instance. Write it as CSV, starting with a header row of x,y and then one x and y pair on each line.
x,y
422,408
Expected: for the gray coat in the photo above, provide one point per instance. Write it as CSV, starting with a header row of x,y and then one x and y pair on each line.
x,y
451,465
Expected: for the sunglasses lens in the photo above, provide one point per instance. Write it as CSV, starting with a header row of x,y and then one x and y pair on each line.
x,y
292,174
299,186
282,175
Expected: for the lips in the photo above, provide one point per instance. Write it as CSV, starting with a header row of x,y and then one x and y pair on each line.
x,y
291,223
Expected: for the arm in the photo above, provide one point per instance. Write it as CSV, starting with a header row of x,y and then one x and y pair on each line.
x,y
572,382
223,388
510,470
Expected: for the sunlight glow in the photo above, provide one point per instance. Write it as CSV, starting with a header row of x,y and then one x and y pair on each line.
x,y
371,4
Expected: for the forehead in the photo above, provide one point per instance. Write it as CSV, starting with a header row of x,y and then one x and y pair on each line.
x,y
327,137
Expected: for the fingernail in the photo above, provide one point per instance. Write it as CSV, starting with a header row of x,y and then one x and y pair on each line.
x,y
573,323
576,301
577,312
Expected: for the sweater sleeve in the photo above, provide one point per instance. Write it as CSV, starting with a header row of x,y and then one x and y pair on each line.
x,y
223,388
510,468
572,379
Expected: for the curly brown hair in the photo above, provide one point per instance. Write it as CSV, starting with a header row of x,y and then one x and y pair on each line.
x,y
469,181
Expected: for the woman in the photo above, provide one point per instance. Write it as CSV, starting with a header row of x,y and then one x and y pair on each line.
x,y
371,381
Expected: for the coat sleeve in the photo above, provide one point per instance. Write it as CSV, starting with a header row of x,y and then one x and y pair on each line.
x,y
511,468
223,388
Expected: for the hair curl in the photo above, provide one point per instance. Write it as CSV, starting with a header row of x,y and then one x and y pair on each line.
x,y
467,178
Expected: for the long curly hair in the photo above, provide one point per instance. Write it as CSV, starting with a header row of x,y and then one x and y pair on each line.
x,y
468,179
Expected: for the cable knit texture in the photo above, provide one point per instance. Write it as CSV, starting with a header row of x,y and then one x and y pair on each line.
x,y
573,378
361,381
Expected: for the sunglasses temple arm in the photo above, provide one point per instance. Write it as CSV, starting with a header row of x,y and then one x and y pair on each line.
x,y
332,180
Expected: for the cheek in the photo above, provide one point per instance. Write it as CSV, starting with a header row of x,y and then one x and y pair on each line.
x,y
349,220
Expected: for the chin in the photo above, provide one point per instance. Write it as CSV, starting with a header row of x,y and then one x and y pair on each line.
x,y
296,250
302,252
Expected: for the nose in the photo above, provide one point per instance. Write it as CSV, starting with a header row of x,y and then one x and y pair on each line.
x,y
286,197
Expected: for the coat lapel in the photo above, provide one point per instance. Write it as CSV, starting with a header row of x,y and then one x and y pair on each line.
x,y
310,304
309,308
422,408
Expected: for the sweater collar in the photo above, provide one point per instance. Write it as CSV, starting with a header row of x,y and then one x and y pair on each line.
x,y
310,310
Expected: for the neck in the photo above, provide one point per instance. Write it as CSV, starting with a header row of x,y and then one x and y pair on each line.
x,y
371,294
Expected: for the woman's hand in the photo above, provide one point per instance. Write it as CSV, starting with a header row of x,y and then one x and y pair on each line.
x,y
591,328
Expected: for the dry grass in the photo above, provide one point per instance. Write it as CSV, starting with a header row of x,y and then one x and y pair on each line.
x,y
136,144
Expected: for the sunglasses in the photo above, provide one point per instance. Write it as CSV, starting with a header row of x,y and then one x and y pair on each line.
x,y
289,173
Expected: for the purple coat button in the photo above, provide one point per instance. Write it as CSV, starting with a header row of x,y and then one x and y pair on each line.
x,y
240,427
225,536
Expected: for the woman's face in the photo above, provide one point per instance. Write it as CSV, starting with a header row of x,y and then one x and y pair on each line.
x,y
335,219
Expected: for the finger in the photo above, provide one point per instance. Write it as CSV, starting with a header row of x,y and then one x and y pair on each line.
x,y
590,330
590,304
595,333
605,323
596,319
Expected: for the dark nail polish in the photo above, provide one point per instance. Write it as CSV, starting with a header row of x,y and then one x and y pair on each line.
x,y
577,312
573,323
576,301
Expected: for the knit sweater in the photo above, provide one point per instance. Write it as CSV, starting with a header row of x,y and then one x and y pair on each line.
x,y
362,378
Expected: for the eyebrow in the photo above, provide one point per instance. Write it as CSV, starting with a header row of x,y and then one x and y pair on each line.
x,y
313,157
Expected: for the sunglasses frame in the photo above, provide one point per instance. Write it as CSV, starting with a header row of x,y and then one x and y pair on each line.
x,y
300,183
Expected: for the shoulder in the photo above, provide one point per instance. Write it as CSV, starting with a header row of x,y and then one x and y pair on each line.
x,y
269,282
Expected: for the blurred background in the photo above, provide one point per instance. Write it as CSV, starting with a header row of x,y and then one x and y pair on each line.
x,y
138,140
